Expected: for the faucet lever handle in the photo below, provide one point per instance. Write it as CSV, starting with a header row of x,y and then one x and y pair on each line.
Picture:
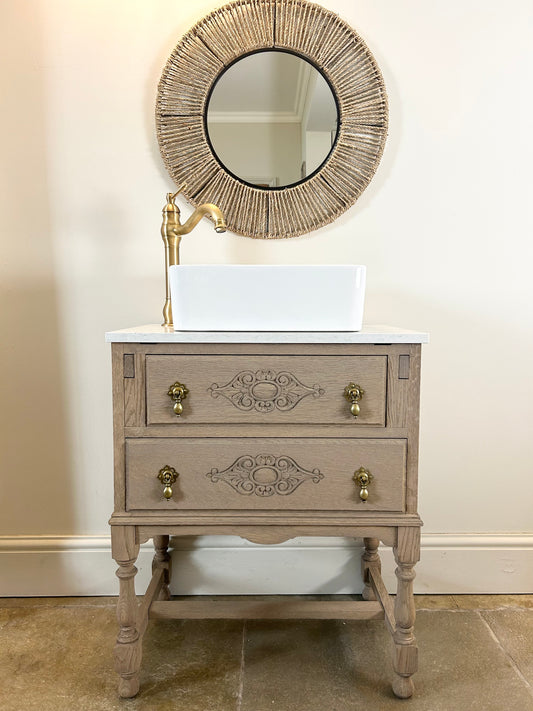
x,y
181,188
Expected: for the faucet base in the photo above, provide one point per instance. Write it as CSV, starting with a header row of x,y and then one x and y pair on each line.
x,y
167,314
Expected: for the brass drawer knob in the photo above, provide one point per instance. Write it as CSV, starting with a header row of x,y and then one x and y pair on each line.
x,y
178,392
353,393
167,476
363,479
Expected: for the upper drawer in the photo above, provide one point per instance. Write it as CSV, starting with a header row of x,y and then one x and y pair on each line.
x,y
266,389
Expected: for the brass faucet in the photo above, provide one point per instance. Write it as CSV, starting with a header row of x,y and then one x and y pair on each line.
x,y
171,232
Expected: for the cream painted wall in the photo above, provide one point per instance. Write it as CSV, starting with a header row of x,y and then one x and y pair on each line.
x,y
445,230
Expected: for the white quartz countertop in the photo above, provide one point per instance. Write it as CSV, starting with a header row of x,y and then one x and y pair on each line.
x,y
153,333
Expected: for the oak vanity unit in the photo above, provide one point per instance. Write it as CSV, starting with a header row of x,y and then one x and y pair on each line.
x,y
267,436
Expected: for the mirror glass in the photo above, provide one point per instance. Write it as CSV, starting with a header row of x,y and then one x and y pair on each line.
x,y
272,119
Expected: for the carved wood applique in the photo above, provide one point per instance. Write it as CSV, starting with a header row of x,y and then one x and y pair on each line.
x,y
265,475
265,390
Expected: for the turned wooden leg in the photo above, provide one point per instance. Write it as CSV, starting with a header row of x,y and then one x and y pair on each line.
x,y
370,555
405,656
128,647
162,560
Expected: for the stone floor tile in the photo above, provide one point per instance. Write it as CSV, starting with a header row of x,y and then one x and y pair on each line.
x,y
100,601
492,602
435,602
60,658
297,665
341,666
514,629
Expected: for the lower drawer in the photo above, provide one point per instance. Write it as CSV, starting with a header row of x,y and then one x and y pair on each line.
x,y
266,473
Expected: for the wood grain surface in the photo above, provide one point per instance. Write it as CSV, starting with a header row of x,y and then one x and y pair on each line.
x,y
266,449
252,389
327,467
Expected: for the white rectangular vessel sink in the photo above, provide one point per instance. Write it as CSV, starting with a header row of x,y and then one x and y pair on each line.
x,y
235,297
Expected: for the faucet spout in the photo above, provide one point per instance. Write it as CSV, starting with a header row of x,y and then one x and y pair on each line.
x,y
172,231
206,209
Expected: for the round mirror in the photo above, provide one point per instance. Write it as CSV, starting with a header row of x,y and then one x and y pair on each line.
x,y
216,83
272,119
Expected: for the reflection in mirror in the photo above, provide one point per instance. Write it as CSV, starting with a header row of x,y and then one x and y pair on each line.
x,y
272,119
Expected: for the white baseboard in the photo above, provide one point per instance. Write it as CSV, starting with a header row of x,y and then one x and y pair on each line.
x,y
82,565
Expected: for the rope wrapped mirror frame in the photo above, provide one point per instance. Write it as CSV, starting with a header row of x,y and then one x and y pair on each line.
x,y
336,50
